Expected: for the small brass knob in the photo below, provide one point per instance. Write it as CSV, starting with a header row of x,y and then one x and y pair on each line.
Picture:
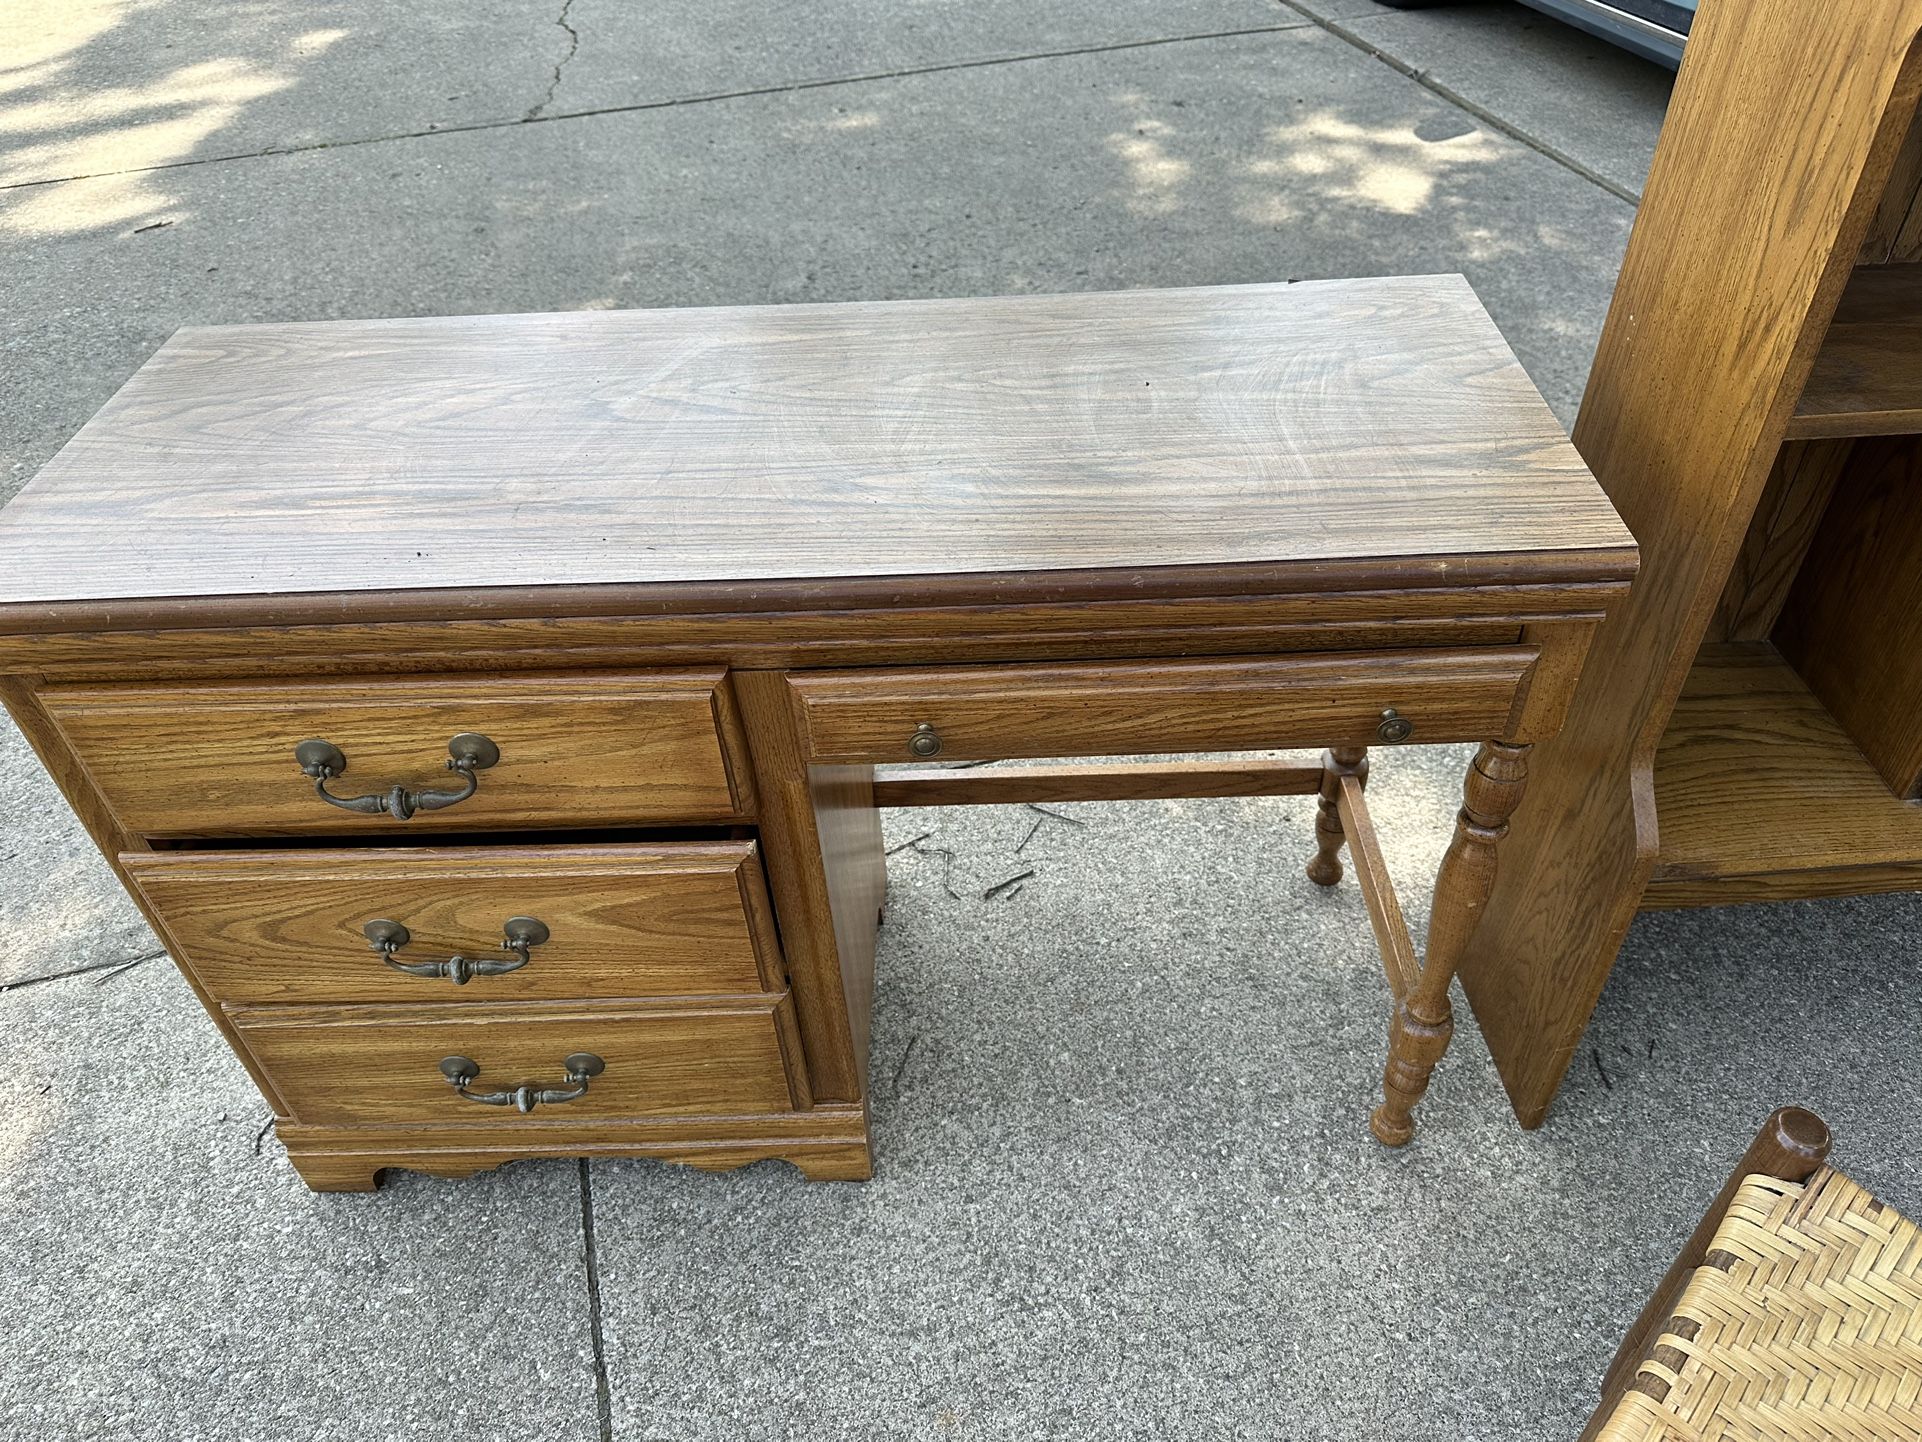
x,y
1394,726
925,741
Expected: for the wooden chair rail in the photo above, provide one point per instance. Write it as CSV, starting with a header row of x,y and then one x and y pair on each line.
x,y
1179,780
1116,781
1371,870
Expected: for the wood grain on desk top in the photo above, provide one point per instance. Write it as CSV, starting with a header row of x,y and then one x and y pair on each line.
x,y
1345,424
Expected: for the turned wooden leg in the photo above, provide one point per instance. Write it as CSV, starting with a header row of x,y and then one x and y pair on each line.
x,y
1324,867
1424,1020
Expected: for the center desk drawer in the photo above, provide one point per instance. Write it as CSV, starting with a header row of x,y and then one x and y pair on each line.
x,y
985,713
661,919
220,760
374,1065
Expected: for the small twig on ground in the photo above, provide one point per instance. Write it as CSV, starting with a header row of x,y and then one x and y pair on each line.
x,y
260,1137
1001,886
156,225
947,869
969,765
1056,815
1038,824
901,1067
1600,1070
910,845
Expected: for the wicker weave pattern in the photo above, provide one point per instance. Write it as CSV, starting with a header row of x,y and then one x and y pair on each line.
x,y
1806,1322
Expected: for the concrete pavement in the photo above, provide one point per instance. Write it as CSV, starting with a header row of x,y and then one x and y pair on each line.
x,y
1125,1187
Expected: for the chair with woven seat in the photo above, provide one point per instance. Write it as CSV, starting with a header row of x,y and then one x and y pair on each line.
x,y
1794,1313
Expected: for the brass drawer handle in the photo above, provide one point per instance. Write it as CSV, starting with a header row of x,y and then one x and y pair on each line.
x,y
468,753
580,1067
522,933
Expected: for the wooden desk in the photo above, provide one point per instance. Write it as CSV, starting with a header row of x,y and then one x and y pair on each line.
x,y
691,576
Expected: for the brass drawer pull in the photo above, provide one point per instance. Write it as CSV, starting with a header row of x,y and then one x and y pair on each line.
x,y
1395,727
580,1067
522,933
925,741
468,753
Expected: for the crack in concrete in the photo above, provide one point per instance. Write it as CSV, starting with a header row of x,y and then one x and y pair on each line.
x,y
123,964
1462,102
711,97
573,48
603,1392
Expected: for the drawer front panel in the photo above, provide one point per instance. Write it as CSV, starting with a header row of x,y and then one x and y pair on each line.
x,y
347,1066
621,921
1129,708
196,760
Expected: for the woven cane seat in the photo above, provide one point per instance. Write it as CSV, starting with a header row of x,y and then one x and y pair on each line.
x,y
1804,1322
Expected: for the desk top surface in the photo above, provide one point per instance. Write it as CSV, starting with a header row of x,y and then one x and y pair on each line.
x,y
1381,429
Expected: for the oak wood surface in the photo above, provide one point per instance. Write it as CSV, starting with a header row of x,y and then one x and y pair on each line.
x,y
1852,625
1895,234
656,919
1354,422
579,750
1135,708
1747,233
1867,379
1117,781
1791,508
1370,620
821,837
344,1065
1757,784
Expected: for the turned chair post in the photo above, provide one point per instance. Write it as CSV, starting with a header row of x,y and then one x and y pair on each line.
x,y
1424,1020
1324,867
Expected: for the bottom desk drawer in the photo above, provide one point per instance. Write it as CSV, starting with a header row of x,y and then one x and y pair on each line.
x,y
382,1065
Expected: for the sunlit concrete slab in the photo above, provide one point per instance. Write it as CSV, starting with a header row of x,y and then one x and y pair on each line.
x,y
1591,101
706,47
89,87
167,1274
114,85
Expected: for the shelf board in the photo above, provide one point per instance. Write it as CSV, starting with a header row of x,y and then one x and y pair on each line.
x,y
1867,379
1760,795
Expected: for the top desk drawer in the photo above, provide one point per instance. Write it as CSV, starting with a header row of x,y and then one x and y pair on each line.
x,y
1120,708
219,760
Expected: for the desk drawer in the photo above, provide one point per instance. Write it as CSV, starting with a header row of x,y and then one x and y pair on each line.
x,y
371,1065
623,921
983,713
198,760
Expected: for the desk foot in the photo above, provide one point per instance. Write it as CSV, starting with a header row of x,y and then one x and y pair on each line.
x,y
1415,1044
